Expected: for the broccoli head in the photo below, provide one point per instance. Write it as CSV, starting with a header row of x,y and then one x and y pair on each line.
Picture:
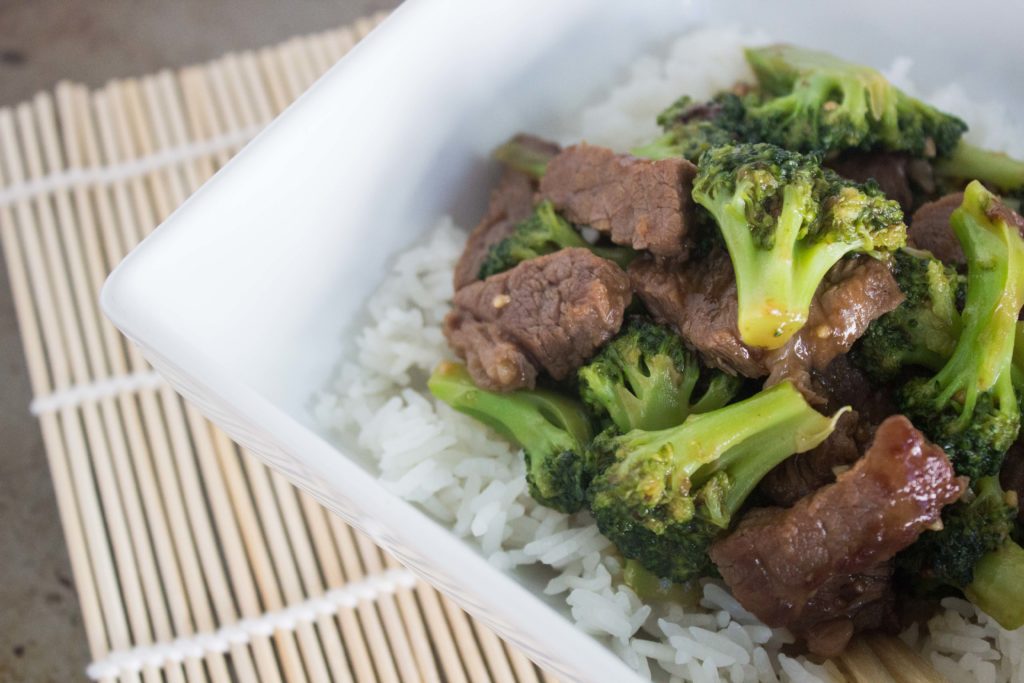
x,y
973,552
922,331
664,496
646,379
813,101
552,429
786,221
543,232
691,128
970,407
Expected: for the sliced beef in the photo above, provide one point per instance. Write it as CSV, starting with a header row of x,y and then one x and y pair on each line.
x,y
784,565
699,299
640,203
511,201
844,384
929,229
804,473
549,313
889,169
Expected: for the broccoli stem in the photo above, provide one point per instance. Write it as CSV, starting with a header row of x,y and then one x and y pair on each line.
x,y
775,286
996,170
983,354
998,585
552,430
664,147
744,440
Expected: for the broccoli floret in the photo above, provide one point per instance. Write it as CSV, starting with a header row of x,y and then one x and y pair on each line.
x,y
973,552
646,379
525,155
693,128
665,496
997,171
813,101
786,221
970,407
552,429
922,331
543,232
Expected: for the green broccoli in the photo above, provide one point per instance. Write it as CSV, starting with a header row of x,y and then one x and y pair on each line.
x,y
973,552
786,221
693,128
813,101
997,171
923,330
664,496
646,379
527,155
543,232
970,407
552,429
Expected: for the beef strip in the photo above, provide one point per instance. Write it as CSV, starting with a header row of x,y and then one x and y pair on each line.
x,y
549,313
784,565
511,201
804,473
843,384
699,299
641,203
929,229
889,169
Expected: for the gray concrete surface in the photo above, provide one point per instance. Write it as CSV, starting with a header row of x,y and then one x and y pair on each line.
x,y
41,42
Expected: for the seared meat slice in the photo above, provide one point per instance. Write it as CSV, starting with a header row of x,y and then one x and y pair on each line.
x,y
847,604
699,299
846,385
779,561
511,201
804,473
642,204
929,229
890,170
549,313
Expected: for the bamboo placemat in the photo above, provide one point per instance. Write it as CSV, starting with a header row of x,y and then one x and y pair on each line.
x,y
192,561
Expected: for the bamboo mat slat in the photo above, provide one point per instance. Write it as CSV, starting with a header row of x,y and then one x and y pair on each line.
x,y
192,561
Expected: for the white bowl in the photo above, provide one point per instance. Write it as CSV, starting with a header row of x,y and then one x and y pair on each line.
x,y
243,296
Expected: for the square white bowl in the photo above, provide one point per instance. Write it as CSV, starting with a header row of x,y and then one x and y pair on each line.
x,y
243,296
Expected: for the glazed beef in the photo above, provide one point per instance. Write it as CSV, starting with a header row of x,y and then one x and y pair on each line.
x,y
511,201
929,229
785,565
845,384
549,313
699,299
640,203
888,169
804,473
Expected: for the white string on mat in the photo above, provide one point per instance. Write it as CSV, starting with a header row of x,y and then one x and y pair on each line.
x,y
125,170
243,631
78,394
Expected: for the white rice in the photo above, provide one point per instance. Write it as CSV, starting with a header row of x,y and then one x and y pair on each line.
x,y
467,477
